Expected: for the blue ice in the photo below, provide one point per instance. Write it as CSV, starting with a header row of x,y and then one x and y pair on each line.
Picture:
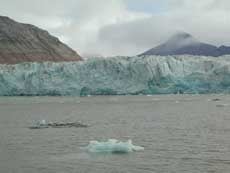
x,y
118,76
113,146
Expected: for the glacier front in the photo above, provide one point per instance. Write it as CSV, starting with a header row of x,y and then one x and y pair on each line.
x,y
118,76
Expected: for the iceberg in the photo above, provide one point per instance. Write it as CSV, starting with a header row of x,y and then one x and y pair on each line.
x,y
41,124
118,76
113,146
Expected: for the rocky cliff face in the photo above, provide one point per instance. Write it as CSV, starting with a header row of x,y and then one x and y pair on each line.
x,y
184,43
27,43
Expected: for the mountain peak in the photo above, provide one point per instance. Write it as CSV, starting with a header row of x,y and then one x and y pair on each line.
x,y
179,40
184,43
181,36
5,18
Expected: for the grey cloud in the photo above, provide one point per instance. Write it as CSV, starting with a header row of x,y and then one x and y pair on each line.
x,y
108,27
206,20
136,36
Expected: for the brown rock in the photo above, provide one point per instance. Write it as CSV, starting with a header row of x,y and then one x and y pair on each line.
x,y
27,43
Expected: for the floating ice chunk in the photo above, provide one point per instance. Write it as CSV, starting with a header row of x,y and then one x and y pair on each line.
x,y
67,124
40,125
216,100
43,124
222,105
113,146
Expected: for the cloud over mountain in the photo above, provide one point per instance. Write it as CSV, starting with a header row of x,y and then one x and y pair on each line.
x,y
123,27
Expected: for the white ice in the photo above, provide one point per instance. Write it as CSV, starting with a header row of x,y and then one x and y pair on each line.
x,y
113,146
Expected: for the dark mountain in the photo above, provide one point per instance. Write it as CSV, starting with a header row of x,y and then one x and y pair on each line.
x,y
27,43
184,43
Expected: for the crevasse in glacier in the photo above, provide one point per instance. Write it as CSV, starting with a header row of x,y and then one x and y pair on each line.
x,y
118,75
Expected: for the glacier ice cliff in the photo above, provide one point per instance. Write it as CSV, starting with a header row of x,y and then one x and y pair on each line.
x,y
118,76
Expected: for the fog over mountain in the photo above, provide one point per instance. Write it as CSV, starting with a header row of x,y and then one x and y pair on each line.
x,y
185,44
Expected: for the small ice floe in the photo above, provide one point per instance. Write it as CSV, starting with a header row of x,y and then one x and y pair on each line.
x,y
222,105
43,124
112,146
40,125
68,124
216,100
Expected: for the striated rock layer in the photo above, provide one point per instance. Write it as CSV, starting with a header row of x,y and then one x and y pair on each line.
x,y
27,43
119,75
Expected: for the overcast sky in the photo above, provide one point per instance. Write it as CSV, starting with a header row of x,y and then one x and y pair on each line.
x,y
123,27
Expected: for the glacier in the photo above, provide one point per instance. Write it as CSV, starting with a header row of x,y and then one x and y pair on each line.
x,y
112,146
118,76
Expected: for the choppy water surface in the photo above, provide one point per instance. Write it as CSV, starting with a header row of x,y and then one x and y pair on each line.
x,y
179,133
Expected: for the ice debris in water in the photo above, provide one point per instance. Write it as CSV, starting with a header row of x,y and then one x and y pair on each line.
x,y
113,146
216,100
222,105
43,124
40,125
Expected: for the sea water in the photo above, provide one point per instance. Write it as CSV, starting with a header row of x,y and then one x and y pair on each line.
x,y
179,133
